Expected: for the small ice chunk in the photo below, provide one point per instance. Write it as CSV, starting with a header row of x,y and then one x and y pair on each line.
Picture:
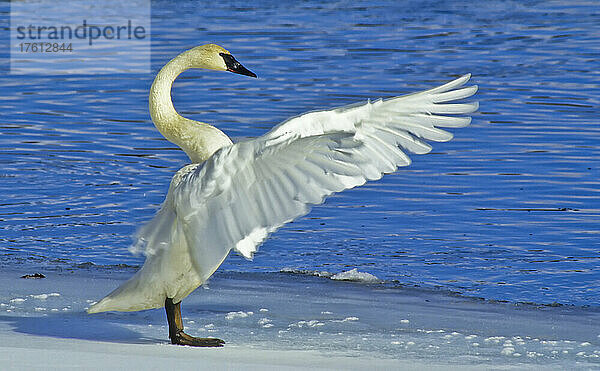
x,y
17,300
507,351
328,312
355,275
307,272
44,296
350,319
39,309
239,314
410,343
263,321
404,321
469,337
495,339
475,344
210,325
311,323
314,323
585,344
580,354
263,310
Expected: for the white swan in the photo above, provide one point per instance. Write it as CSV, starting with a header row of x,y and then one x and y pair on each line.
x,y
233,195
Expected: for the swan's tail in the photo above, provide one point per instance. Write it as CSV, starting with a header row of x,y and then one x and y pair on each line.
x,y
131,296
167,271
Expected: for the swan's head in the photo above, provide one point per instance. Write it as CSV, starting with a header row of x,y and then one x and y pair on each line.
x,y
214,57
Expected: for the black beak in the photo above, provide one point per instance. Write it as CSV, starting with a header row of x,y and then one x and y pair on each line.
x,y
235,66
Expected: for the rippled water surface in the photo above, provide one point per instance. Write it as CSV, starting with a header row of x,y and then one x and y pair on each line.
x,y
508,210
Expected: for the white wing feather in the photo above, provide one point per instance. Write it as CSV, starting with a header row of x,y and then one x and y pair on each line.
x,y
247,190
250,189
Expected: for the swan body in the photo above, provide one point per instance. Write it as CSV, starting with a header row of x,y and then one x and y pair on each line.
x,y
232,196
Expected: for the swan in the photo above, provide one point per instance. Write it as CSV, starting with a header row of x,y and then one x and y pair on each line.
x,y
232,196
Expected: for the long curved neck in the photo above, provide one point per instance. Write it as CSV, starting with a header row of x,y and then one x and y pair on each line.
x,y
161,105
197,139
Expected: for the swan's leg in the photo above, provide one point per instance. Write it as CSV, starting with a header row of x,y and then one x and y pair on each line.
x,y
176,333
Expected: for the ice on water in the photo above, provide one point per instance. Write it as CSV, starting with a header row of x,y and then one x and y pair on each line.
x,y
355,275
350,275
302,311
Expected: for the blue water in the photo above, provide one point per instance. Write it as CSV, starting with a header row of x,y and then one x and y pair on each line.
x,y
508,210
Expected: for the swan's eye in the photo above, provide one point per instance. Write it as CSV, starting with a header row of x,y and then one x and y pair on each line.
x,y
234,66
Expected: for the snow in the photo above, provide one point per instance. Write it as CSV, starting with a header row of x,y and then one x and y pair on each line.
x,y
239,314
350,275
44,296
283,321
355,275
306,272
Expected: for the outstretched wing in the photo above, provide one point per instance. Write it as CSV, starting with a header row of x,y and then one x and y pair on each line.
x,y
250,189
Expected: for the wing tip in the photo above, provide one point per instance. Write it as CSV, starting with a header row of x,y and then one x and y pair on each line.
x,y
460,81
451,85
464,79
472,90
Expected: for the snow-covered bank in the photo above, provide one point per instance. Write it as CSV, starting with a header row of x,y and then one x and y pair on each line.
x,y
27,352
287,321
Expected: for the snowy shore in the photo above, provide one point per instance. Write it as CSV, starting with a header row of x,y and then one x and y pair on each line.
x,y
287,321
